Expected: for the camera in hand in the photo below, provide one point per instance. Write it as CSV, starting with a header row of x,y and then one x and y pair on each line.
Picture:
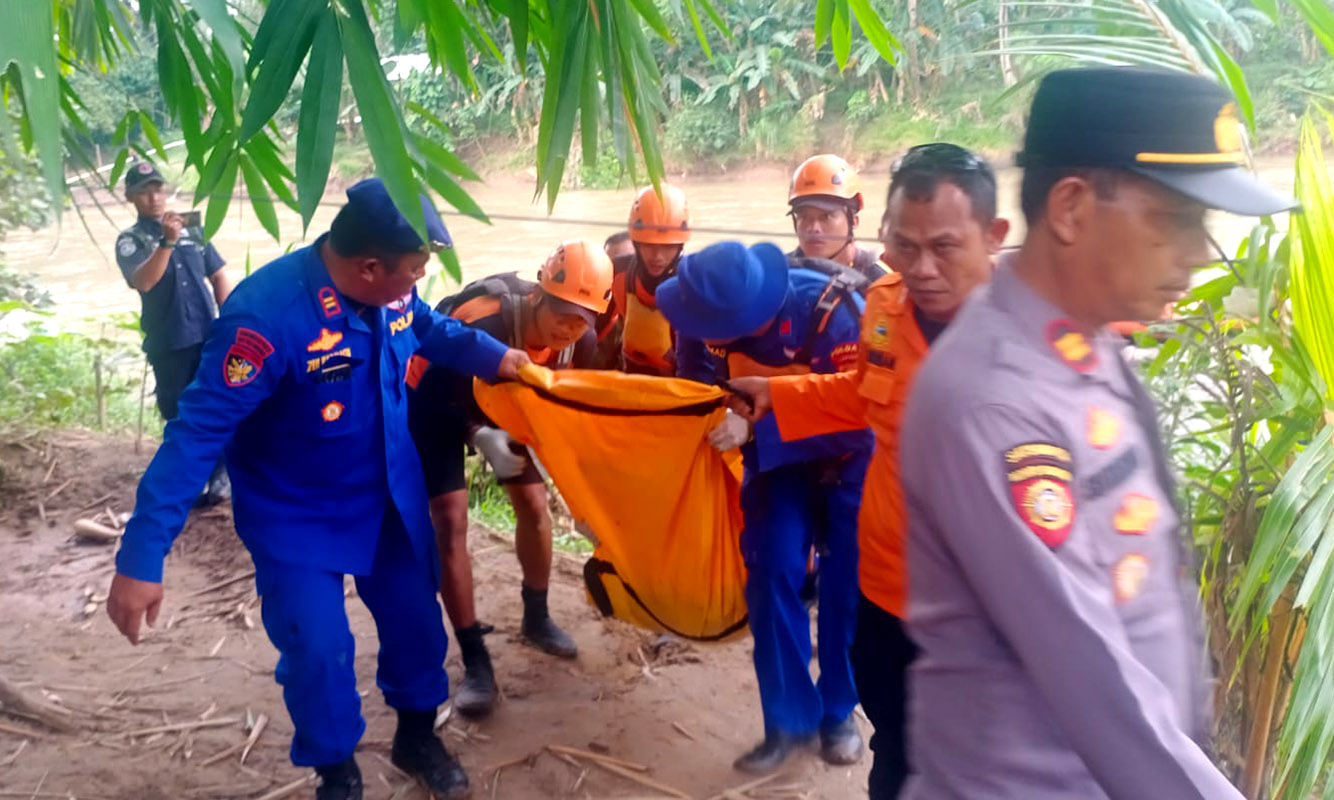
x,y
189,219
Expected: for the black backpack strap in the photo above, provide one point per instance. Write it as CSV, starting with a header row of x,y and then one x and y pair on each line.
x,y
839,291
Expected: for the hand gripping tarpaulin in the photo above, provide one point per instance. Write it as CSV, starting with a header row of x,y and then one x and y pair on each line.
x,y
629,455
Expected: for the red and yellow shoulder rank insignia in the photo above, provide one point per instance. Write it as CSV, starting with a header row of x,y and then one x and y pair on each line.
x,y
329,301
1104,428
1128,577
245,358
1040,476
1071,345
1136,515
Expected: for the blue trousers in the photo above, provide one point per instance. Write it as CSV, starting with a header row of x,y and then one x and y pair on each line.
x,y
305,616
784,508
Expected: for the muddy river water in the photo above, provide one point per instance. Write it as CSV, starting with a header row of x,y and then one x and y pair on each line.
x,y
80,273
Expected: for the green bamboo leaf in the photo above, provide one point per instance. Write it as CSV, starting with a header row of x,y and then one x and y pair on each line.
x,y
183,99
118,167
407,19
1320,17
212,174
153,135
28,41
437,154
122,130
649,12
695,23
824,21
841,32
291,28
225,31
221,196
450,258
517,12
259,198
1229,71
266,160
560,101
381,120
876,33
446,25
452,193
318,122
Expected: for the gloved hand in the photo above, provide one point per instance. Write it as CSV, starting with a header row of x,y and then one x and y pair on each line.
x,y
731,433
494,445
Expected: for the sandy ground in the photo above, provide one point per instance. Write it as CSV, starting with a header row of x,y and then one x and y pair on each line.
x,y
682,711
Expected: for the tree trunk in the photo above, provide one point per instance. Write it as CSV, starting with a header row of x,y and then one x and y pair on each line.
x,y
1265,702
914,65
1006,62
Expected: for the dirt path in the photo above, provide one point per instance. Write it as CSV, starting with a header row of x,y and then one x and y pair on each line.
x,y
683,711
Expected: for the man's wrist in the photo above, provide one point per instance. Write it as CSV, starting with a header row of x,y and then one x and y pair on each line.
x,y
165,243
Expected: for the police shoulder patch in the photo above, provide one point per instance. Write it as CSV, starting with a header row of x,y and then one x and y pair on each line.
x,y
127,246
1040,475
245,358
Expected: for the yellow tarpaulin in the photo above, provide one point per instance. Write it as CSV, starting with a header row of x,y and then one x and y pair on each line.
x,y
629,455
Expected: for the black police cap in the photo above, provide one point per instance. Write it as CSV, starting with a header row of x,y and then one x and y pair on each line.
x,y
1174,128
141,174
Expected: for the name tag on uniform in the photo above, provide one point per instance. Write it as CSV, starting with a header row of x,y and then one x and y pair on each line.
x,y
337,368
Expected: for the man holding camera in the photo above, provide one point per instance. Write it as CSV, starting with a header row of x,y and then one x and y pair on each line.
x,y
164,257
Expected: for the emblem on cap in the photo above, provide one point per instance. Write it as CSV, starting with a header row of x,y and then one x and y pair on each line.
x,y
145,168
1227,129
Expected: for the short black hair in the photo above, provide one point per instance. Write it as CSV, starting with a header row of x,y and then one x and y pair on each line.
x,y
619,237
1039,180
350,239
919,182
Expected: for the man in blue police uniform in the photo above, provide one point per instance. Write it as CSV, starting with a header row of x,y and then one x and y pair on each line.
x,y
168,263
1051,593
301,380
756,316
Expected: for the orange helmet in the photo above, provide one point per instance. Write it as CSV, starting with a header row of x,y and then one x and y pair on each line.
x,y
823,177
664,220
578,272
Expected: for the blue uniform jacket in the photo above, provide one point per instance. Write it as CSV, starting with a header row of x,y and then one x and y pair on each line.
x,y
308,398
777,347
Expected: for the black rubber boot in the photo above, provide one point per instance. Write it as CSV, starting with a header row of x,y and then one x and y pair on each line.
x,y
769,755
841,744
476,695
539,628
420,753
339,781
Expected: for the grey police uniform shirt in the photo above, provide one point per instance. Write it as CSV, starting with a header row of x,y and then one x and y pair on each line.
x,y
179,309
1061,648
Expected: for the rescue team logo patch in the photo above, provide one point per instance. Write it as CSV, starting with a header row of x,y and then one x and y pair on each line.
x,y
1136,515
126,247
327,340
1040,475
1128,576
879,338
329,302
331,411
1071,345
1104,428
245,358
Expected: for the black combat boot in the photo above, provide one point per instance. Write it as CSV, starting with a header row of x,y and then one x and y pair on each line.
x,y
769,755
539,628
339,781
841,744
476,695
420,753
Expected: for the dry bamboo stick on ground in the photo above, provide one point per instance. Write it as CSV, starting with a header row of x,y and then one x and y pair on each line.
x,y
641,780
221,584
576,752
679,728
738,791
95,531
57,491
284,791
222,755
15,701
185,726
260,724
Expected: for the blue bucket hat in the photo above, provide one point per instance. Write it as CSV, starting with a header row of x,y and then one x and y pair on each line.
x,y
380,223
725,291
